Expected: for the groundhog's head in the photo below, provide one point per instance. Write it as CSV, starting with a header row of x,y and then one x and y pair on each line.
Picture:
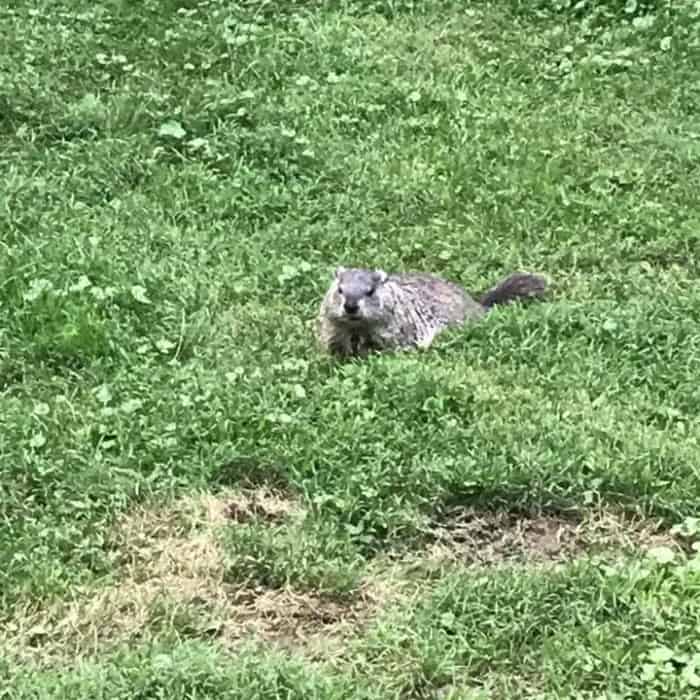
x,y
356,295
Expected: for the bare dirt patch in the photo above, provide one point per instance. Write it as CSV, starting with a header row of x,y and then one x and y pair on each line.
x,y
264,505
305,622
182,539
170,577
170,582
469,536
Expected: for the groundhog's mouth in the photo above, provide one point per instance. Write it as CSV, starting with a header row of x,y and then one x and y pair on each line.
x,y
352,319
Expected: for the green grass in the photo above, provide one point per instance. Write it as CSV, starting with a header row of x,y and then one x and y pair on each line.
x,y
180,178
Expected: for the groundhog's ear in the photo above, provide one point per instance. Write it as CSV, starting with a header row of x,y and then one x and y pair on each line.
x,y
339,271
379,276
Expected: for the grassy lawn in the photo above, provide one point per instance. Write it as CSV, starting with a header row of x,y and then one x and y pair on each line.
x,y
196,503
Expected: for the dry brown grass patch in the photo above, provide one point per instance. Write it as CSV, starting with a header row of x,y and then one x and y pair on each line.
x,y
170,569
303,622
170,578
470,536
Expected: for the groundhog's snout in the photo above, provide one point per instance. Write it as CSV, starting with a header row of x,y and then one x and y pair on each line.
x,y
351,307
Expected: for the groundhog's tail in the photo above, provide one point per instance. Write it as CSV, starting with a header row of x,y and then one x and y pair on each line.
x,y
515,287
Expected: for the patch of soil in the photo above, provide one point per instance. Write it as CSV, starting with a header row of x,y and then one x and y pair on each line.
x,y
171,569
471,536
252,472
171,581
304,622
183,537
258,504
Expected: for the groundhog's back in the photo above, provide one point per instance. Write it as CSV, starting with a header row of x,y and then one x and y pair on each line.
x,y
438,297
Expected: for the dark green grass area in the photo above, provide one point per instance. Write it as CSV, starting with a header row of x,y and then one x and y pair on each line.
x,y
179,180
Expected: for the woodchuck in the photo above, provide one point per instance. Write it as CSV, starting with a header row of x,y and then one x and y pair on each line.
x,y
367,310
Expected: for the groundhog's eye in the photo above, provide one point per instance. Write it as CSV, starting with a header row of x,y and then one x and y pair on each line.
x,y
370,292
340,290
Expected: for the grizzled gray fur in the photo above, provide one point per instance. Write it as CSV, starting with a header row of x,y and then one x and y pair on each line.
x,y
367,311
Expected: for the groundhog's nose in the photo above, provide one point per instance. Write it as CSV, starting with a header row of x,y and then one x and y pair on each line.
x,y
351,307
